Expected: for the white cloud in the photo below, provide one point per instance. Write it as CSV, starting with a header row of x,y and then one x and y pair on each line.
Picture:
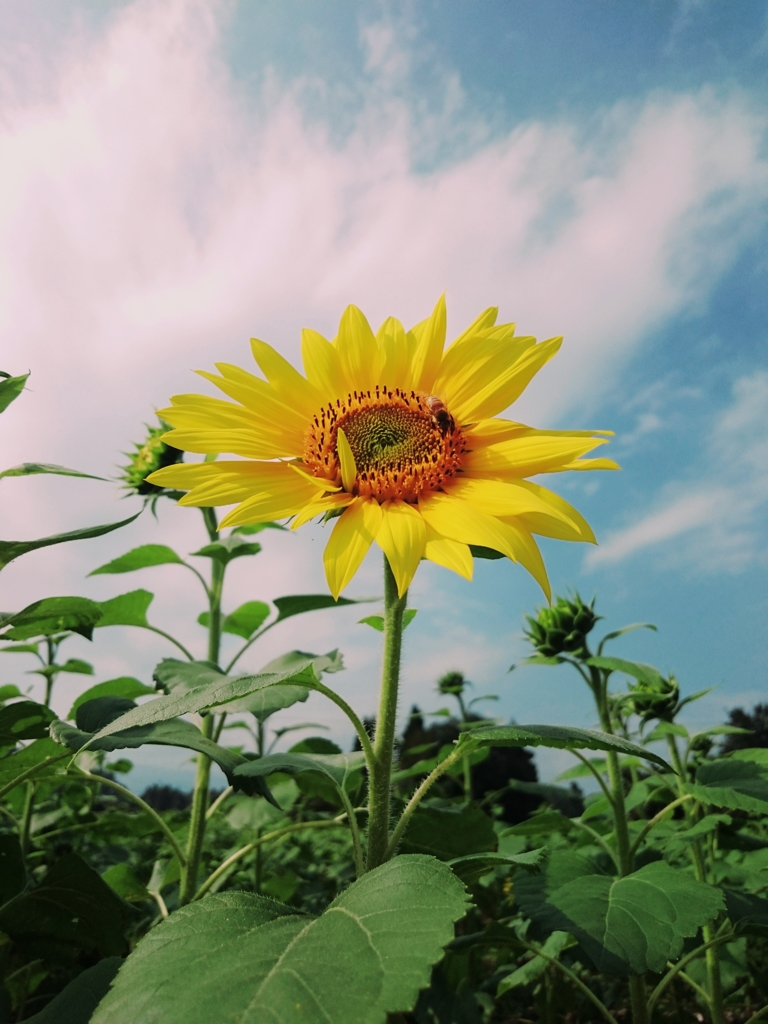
x,y
153,215
719,518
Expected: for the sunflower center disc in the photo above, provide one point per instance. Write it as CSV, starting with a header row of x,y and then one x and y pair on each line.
x,y
401,448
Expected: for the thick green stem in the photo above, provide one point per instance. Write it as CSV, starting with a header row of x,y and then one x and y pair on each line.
x,y
380,768
621,829
708,931
201,794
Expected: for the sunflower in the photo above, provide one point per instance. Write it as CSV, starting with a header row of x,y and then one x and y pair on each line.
x,y
393,436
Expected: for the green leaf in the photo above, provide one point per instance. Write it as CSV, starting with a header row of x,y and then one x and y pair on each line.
x,y
740,785
78,666
18,648
343,770
633,924
533,969
33,468
664,729
13,875
225,550
25,720
123,686
213,695
52,615
10,389
367,955
126,609
449,832
559,736
300,603
480,552
243,621
471,868
625,629
14,765
72,906
103,711
140,558
76,1003
377,621
8,692
542,823
643,673
122,879
10,549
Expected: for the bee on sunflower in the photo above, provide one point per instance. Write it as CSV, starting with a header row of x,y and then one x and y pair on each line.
x,y
396,437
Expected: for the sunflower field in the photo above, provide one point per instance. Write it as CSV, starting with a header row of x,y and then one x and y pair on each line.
x,y
426,876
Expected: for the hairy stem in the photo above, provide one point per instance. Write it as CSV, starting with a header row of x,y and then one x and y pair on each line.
x,y
417,797
200,796
380,768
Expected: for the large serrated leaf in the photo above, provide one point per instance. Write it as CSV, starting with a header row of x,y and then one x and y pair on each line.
x,y
10,549
236,958
174,733
739,784
343,770
216,693
561,736
633,924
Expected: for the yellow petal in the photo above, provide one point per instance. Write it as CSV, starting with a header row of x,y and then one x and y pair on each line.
x,y
203,411
449,553
573,526
352,536
322,365
225,482
480,361
320,505
262,402
396,354
402,537
586,464
287,382
529,556
284,494
503,497
358,351
529,454
430,340
501,392
210,441
462,521
481,323
493,431
347,461
319,482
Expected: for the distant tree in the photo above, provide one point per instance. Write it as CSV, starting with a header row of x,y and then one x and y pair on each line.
x,y
756,721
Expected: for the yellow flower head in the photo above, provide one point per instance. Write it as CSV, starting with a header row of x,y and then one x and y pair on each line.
x,y
395,434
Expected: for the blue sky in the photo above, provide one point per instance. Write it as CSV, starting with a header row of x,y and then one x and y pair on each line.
x,y
178,176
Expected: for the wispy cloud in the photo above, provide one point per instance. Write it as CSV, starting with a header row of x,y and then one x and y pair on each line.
x,y
718,521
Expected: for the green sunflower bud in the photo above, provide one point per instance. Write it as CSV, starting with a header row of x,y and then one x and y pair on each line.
x,y
562,628
149,456
657,700
452,683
